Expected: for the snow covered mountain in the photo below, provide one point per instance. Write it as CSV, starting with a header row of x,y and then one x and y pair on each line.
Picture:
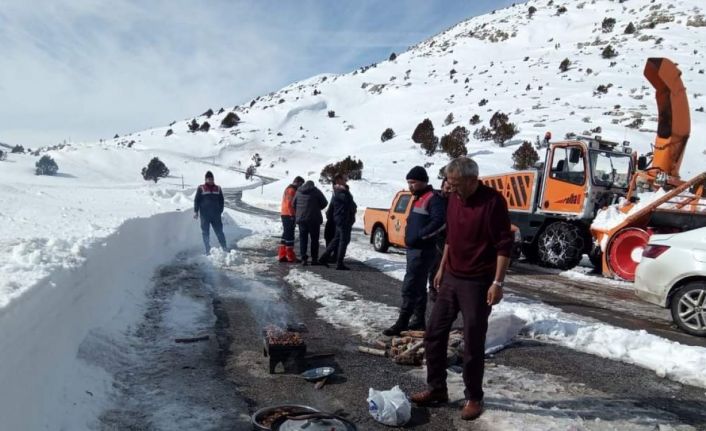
x,y
68,243
506,61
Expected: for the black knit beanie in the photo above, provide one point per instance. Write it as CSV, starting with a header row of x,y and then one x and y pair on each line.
x,y
209,174
418,173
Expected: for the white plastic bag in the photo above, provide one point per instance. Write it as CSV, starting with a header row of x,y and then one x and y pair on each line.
x,y
389,407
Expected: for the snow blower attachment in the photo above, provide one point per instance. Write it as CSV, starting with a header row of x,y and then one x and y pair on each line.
x,y
658,201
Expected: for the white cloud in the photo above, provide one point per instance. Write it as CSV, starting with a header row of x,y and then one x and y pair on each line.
x,y
86,69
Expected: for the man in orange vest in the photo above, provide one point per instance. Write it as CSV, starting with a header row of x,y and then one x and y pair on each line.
x,y
288,213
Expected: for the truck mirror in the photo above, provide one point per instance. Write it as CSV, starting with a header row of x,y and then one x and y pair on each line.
x,y
575,155
642,163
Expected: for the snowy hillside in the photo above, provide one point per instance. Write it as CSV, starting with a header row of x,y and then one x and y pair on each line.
x,y
79,248
508,58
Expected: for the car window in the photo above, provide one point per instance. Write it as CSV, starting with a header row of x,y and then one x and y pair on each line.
x,y
402,202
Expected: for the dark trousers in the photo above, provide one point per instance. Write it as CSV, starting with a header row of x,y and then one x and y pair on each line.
x,y
438,255
329,233
288,226
339,243
309,231
414,285
217,224
468,296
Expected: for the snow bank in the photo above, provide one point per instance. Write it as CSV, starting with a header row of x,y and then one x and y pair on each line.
x,y
41,330
667,358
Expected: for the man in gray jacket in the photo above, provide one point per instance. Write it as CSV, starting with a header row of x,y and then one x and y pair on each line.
x,y
209,203
309,202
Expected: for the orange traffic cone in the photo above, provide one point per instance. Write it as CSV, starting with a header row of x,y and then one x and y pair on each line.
x,y
291,256
282,253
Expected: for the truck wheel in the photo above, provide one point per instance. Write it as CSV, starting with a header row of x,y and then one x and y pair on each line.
x,y
560,245
689,308
380,242
596,258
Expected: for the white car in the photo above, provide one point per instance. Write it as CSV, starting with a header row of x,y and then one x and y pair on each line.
x,y
672,274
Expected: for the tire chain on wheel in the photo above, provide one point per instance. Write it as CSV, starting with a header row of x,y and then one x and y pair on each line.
x,y
560,245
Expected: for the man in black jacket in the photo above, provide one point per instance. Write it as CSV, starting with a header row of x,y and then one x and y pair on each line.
x,y
344,209
444,193
209,203
308,203
425,222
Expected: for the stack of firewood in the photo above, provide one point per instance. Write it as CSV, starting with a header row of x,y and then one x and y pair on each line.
x,y
408,348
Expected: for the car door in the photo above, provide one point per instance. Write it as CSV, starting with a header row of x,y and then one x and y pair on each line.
x,y
398,218
565,184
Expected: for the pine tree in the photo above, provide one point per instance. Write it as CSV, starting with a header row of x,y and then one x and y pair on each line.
x,y
454,144
46,166
387,135
449,119
424,135
524,157
155,170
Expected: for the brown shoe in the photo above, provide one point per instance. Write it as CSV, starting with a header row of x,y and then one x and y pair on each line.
x,y
471,410
427,398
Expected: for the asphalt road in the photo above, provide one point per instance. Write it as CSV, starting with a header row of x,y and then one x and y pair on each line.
x,y
625,390
218,383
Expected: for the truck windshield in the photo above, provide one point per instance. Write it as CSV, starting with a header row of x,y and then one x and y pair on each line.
x,y
610,169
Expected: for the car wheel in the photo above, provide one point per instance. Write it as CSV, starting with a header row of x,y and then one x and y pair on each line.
x,y
689,308
380,242
560,245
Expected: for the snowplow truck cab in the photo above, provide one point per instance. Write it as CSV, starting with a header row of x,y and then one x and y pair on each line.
x,y
553,205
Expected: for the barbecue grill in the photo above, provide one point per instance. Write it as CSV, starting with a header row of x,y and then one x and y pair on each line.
x,y
284,346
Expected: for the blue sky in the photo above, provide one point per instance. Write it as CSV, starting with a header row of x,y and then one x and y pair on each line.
x,y
87,69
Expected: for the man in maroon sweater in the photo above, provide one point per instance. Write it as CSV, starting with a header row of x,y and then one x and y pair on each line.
x,y
469,279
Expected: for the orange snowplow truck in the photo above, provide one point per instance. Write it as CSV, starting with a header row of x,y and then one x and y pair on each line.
x,y
554,205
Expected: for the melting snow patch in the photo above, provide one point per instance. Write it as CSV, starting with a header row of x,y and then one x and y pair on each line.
x,y
503,327
344,308
667,358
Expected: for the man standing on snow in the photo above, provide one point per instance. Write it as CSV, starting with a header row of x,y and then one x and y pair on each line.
x,y
308,203
344,209
209,203
425,222
470,280
288,212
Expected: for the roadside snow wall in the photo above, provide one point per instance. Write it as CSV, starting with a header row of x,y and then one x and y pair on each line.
x,y
43,383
